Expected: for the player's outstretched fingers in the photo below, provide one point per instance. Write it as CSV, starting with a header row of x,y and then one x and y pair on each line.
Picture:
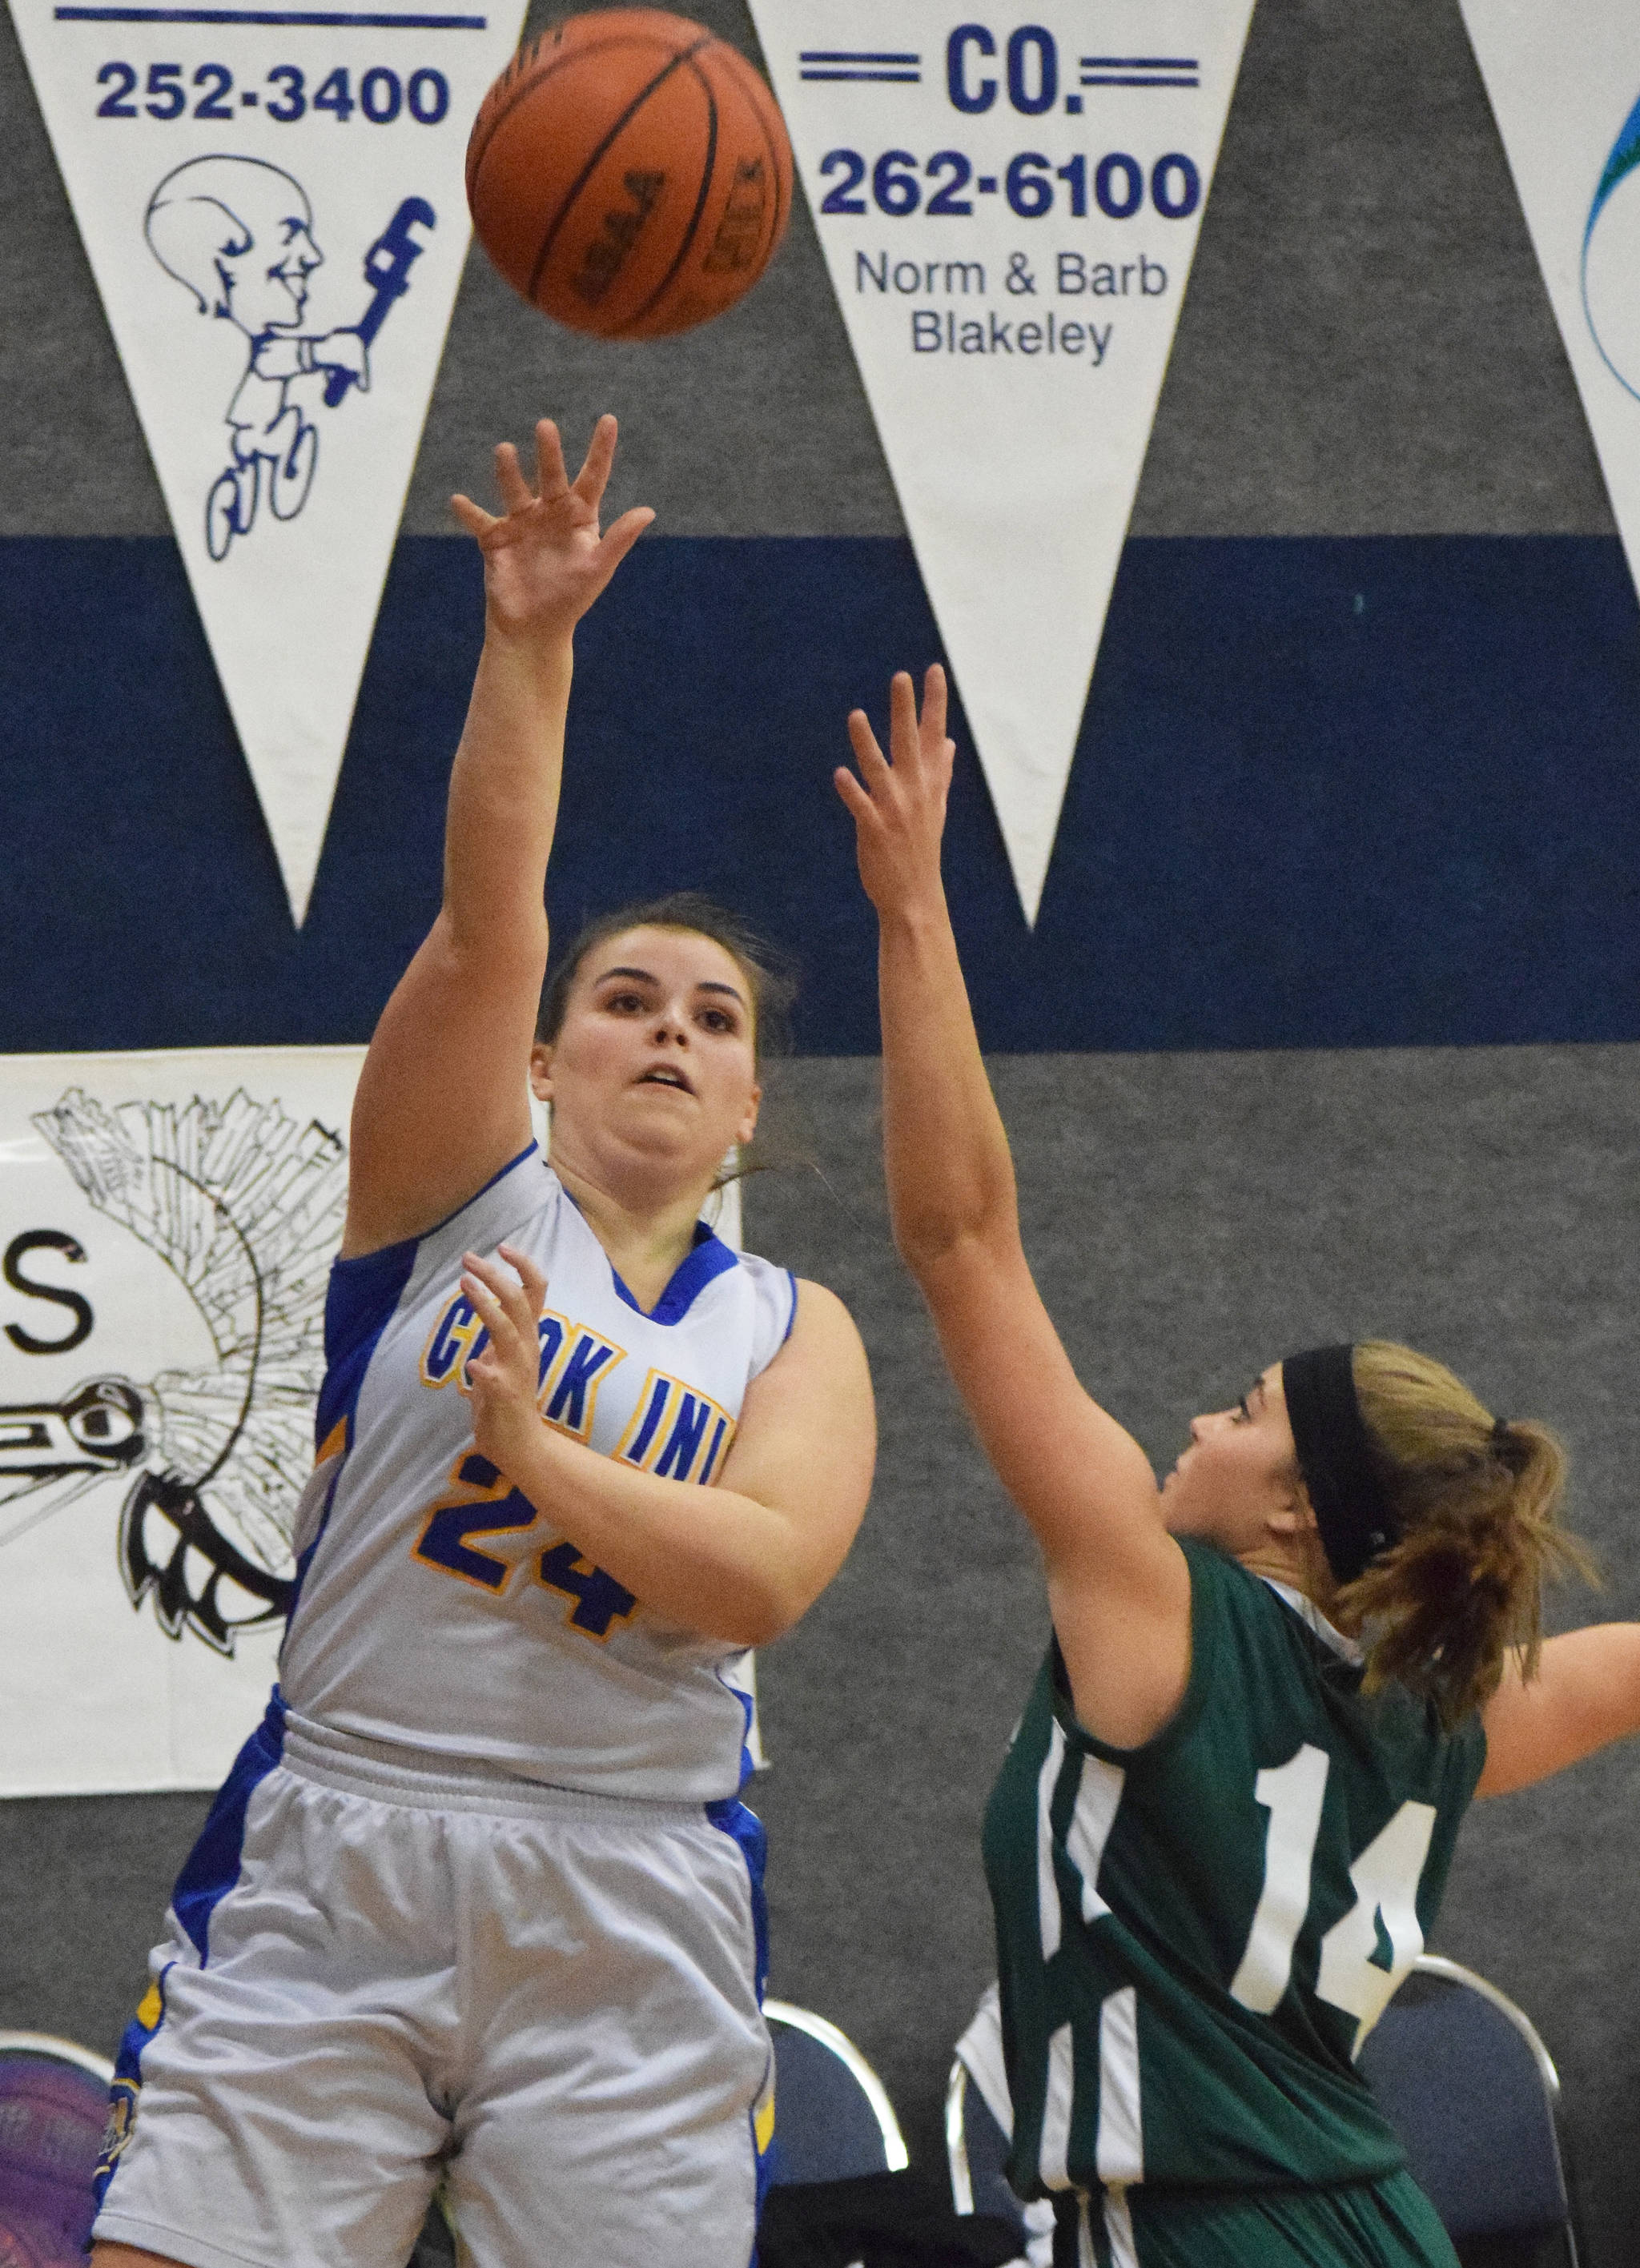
x,y
532,1284
552,480
934,706
617,542
593,476
515,491
503,1307
902,739
473,517
486,1307
874,765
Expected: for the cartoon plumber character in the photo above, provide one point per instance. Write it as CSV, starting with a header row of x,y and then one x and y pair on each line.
x,y
238,233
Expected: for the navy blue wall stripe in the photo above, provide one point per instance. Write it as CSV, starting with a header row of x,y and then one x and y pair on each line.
x,y
1330,793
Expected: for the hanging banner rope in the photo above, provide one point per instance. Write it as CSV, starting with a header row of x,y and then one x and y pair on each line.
x,y
1010,211
271,201
1565,86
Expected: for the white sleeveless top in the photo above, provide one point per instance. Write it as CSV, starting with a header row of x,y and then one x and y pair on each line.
x,y
405,1629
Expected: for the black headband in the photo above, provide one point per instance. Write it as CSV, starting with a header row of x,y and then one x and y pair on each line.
x,y
1335,1458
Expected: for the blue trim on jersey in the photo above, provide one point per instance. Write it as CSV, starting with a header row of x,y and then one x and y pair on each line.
x,y
212,1867
123,2090
306,1558
500,1174
791,1321
689,1278
359,1301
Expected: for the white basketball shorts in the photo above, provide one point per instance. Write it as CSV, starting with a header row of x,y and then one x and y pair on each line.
x,y
380,1976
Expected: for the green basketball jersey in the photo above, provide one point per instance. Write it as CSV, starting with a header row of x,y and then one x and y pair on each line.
x,y
1194,1937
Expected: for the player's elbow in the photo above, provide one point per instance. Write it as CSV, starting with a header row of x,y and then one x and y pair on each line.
x,y
753,1619
782,1599
925,1236
763,1603
947,1251
753,1630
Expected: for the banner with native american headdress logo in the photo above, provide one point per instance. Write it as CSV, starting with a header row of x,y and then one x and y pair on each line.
x,y
167,1226
167,1223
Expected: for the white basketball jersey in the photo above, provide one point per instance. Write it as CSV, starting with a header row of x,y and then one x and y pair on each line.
x,y
405,1627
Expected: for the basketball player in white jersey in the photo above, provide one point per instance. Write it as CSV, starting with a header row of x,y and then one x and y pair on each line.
x,y
479,1901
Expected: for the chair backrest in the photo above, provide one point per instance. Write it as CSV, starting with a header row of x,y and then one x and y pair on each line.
x,y
1458,2068
54,2111
1469,2086
832,2117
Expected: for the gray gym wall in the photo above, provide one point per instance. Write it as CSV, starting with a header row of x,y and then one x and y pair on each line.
x,y
1366,348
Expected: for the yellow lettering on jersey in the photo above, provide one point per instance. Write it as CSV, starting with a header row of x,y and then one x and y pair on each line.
x,y
677,1432
458,1338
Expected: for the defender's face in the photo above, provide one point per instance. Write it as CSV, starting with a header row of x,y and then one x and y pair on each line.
x,y
656,1054
1239,1467
265,286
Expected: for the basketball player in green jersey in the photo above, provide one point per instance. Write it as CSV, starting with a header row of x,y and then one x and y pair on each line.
x,y
1225,1820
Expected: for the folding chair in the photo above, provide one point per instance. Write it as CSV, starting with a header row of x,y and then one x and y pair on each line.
x,y
1458,2070
53,2112
1468,2085
832,2117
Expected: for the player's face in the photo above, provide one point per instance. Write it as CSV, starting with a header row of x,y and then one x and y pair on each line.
x,y
1239,1469
656,1058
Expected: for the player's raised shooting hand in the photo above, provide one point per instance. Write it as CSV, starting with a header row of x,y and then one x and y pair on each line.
x,y
508,1295
898,807
545,560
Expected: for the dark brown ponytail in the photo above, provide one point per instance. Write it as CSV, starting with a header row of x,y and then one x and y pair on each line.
x,y
1478,1502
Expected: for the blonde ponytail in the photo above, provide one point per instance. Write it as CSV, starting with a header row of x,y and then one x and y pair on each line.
x,y
1477,1502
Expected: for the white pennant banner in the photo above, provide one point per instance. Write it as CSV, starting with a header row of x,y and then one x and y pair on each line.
x,y
271,201
1010,211
168,1222
1565,86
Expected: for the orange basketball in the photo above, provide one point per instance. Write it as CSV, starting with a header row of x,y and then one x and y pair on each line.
x,y
629,173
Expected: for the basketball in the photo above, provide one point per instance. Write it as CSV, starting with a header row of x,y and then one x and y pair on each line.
x,y
629,173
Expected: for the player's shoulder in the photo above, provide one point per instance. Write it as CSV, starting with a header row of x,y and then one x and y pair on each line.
x,y
819,1300
1222,1588
1264,1640
818,1315
771,1293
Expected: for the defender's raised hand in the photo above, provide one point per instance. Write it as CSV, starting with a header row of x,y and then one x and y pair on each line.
x,y
898,807
545,561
